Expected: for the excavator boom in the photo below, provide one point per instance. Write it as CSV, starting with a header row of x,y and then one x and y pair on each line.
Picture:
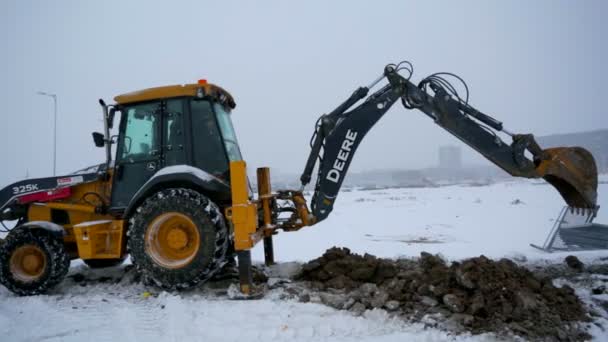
x,y
571,170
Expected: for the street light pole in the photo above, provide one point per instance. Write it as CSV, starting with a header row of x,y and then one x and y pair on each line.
x,y
54,96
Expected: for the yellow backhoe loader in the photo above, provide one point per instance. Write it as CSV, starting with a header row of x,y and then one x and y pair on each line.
x,y
176,196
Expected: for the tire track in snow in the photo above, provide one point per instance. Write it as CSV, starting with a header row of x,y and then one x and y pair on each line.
x,y
145,319
89,317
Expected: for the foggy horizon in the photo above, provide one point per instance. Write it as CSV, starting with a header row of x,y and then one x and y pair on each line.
x,y
538,67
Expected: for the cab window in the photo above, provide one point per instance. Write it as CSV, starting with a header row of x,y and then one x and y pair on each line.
x,y
208,150
228,133
141,139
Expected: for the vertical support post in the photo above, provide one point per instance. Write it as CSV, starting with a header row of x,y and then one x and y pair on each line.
x,y
245,274
243,212
244,218
268,251
265,195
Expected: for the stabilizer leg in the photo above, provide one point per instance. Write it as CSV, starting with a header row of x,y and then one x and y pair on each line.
x,y
245,273
268,251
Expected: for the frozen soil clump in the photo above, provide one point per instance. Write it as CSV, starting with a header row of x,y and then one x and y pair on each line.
x,y
477,295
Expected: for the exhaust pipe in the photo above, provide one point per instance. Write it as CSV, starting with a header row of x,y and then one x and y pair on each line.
x,y
106,132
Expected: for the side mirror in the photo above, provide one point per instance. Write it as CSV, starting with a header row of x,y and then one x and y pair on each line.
x,y
99,139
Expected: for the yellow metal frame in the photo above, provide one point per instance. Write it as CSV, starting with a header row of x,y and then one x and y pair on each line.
x,y
249,228
102,240
244,213
265,196
98,241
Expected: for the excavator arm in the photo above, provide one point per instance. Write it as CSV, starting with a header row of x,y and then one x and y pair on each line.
x,y
337,136
571,170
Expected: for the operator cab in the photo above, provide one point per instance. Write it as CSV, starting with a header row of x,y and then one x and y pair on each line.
x,y
186,125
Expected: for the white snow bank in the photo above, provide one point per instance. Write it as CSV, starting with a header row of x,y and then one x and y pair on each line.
x,y
121,313
455,221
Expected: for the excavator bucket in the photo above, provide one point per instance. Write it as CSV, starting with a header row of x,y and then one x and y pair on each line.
x,y
572,171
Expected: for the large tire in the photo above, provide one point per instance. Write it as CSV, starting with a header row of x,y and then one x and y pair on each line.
x,y
32,261
103,263
177,239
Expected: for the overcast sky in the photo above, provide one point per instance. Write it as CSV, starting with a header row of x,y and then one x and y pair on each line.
x,y
539,66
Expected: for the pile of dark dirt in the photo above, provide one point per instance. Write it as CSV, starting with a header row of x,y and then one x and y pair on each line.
x,y
477,295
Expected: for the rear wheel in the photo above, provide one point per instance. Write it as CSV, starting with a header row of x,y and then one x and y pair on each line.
x,y
32,261
177,238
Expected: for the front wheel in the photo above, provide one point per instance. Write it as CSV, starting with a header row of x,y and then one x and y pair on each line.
x,y
32,261
177,239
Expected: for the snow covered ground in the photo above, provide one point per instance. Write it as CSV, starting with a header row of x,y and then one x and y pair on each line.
x,y
455,221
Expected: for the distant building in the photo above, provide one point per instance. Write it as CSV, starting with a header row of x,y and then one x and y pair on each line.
x,y
450,157
594,141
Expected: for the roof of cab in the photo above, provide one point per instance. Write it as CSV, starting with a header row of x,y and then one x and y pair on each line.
x,y
176,91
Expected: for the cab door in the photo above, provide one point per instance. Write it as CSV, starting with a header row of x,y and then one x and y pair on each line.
x,y
138,155
174,143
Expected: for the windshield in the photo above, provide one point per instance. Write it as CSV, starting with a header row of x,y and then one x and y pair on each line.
x,y
225,123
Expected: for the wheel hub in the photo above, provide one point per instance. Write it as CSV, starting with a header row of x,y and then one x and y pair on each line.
x,y
172,240
177,238
27,263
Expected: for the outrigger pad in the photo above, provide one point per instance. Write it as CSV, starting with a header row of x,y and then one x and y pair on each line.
x,y
574,230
